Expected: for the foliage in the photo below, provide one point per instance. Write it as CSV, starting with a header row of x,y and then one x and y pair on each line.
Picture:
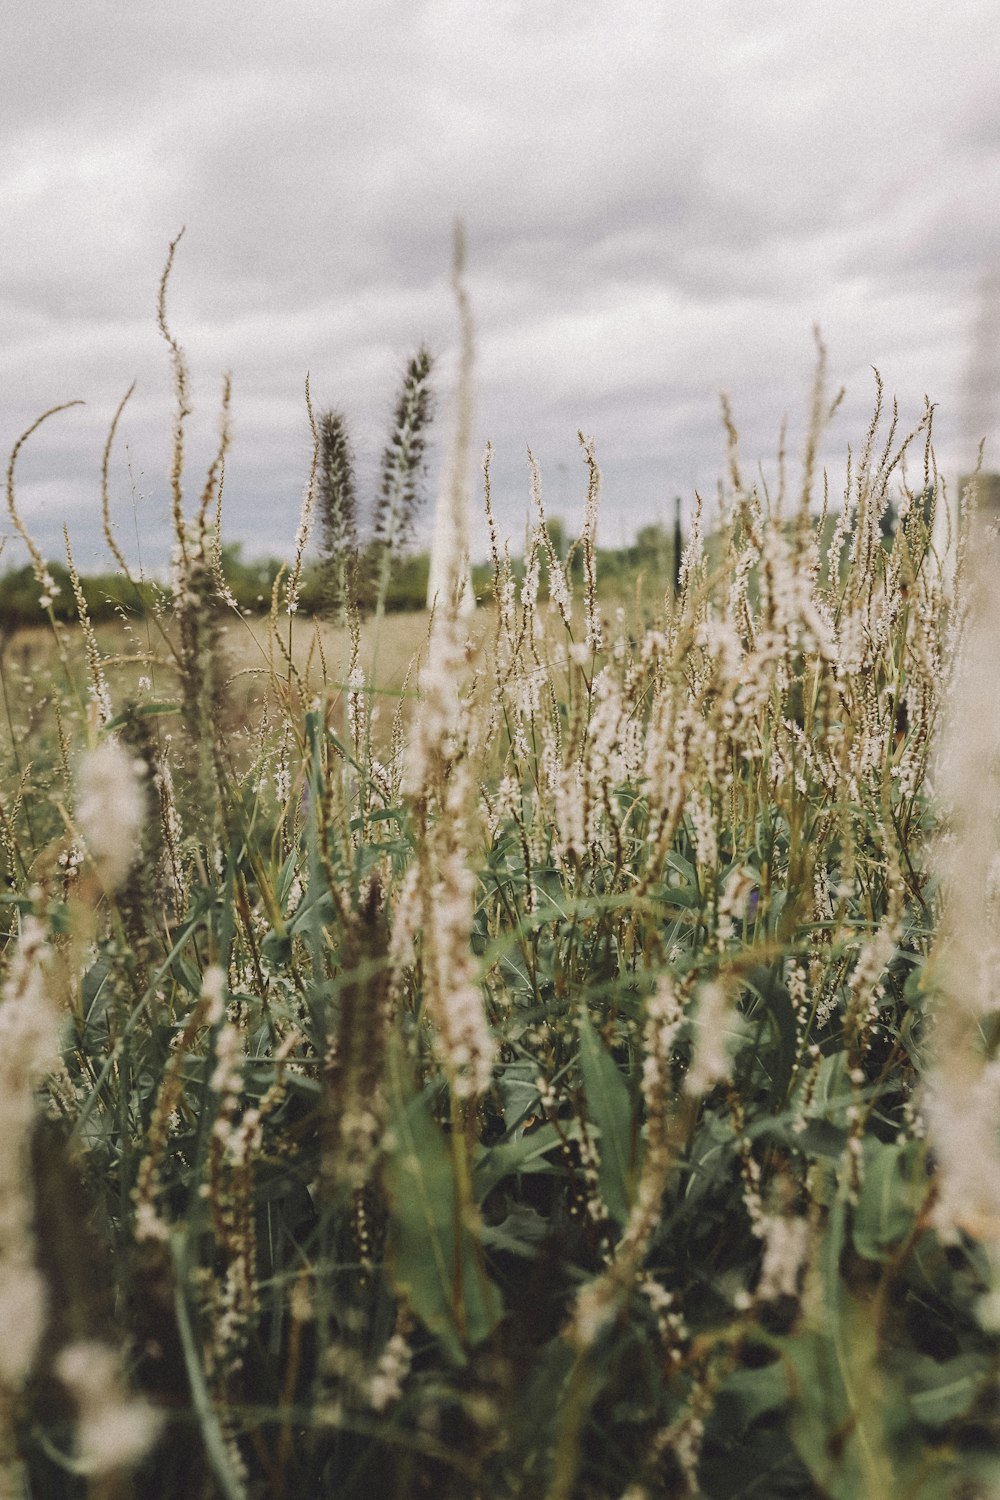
x,y
107,596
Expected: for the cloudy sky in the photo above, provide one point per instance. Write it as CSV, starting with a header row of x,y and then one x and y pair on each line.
x,y
660,202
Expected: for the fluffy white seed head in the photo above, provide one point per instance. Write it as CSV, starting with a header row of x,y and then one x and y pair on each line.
x,y
111,806
716,1029
29,1048
113,1430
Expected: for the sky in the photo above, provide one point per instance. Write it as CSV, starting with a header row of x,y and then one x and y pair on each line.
x,y
659,202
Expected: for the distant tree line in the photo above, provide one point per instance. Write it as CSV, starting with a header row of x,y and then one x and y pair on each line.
x,y
250,583
366,559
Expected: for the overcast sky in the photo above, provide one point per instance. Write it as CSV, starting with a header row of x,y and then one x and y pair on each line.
x,y
660,202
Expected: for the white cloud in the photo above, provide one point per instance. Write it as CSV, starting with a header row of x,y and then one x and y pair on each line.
x,y
659,204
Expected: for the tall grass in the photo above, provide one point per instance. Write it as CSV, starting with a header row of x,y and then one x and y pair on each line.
x,y
525,1082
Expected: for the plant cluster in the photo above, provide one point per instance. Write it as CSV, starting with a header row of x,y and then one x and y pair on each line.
x,y
355,572
581,1087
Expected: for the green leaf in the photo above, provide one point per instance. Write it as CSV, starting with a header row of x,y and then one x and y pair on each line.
x,y
525,1154
682,866
834,1411
761,1465
893,1187
777,1004
316,887
314,913
832,1094
518,1086
750,1393
286,879
143,711
610,1108
847,1412
94,981
434,1257
947,1389
218,1453
520,1233
187,975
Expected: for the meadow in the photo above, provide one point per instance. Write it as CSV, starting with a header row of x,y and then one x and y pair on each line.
x,y
542,1053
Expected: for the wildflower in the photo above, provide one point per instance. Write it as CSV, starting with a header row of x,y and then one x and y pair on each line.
x,y
962,1101
786,1249
338,508
736,903
111,806
447,892
593,1310
712,1058
213,990
50,589
23,1304
594,637
113,1431
29,1047
402,459
455,999
386,1384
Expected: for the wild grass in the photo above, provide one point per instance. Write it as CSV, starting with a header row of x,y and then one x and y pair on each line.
x,y
513,1075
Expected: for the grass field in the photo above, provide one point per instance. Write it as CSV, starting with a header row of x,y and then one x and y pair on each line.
x,y
544,1053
